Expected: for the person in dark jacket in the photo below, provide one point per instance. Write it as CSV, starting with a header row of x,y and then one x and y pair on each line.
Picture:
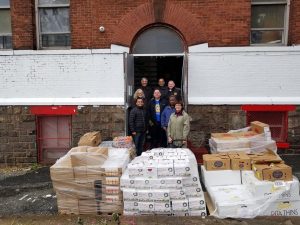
x,y
148,91
162,88
138,125
172,90
156,107
165,116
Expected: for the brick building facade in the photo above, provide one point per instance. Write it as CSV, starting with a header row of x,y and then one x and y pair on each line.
x,y
221,40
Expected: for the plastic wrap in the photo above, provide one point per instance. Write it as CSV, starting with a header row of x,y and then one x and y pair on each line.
x,y
255,198
163,181
252,144
121,143
87,180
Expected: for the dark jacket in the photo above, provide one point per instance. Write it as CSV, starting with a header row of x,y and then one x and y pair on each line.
x,y
164,91
138,120
151,108
148,92
174,91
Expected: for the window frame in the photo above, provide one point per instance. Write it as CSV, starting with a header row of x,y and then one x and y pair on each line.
x,y
284,29
7,7
38,27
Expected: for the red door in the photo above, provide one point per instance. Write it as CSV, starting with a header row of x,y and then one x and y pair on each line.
x,y
54,137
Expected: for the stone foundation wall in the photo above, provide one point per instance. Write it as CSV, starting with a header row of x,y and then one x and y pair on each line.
x,y
17,136
18,128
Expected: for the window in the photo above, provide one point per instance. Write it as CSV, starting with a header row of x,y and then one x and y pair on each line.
x,y
54,23
269,22
5,25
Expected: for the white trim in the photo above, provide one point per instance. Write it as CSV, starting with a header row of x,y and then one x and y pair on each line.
x,y
62,101
243,100
167,54
265,49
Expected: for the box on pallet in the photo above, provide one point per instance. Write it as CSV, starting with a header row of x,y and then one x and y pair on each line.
x,y
263,189
272,172
259,127
239,161
267,156
216,161
220,177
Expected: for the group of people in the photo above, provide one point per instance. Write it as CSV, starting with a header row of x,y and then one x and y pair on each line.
x,y
158,112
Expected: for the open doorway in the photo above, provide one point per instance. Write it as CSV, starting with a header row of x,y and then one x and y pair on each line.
x,y
155,67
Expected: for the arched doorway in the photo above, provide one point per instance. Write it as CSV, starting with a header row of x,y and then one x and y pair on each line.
x,y
157,52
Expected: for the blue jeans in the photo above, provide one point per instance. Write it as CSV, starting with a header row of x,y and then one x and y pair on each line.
x,y
139,140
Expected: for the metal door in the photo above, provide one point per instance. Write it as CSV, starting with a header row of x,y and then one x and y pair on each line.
x,y
129,86
54,137
184,81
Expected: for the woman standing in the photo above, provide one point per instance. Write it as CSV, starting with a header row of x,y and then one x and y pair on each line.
x,y
178,127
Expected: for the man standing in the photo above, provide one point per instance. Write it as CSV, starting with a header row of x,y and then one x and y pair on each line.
x,y
146,89
162,88
172,90
138,125
156,107
165,116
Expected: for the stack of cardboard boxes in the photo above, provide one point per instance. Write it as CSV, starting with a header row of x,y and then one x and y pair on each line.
x,y
163,181
253,139
249,185
87,179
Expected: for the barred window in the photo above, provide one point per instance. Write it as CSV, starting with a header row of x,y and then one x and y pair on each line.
x,y
5,25
269,22
54,23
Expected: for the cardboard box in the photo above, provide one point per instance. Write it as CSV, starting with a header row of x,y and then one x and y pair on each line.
x,y
177,194
146,207
87,158
197,203
230,143
90,139
130,194
233,136
131,205
197,213
180,205
267,156
259,127
265,189
233,201
162,207
220,177
283,208
239,161
272,172
193,191
216,161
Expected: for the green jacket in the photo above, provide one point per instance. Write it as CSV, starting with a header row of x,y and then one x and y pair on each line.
x,y
179,128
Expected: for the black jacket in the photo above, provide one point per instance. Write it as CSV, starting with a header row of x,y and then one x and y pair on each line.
x,y
164,91
151,108
176,92
138,120
148,92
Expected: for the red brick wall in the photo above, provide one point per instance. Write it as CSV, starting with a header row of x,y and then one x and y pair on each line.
x,y
216,22
22,12
294,29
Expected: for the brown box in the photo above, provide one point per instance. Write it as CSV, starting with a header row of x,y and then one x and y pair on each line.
x,y
272,172
265,157
239,161
87,158
90,139
216,161
222,135
259,127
